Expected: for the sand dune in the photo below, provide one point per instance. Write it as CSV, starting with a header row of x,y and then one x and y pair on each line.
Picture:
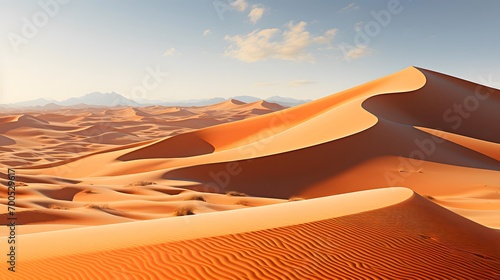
x,y
229,104
398,235
169,111
7,119
6,141
401,178
261,106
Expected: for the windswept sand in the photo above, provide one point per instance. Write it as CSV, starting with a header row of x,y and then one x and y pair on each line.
x,y
401,178
396,235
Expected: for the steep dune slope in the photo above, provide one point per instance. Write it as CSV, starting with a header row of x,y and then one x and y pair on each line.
x,y
232,135
318,152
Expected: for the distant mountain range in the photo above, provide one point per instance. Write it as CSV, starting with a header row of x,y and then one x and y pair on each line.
x,y
114,99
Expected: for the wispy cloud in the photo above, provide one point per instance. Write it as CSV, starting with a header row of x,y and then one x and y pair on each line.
x,y
207,32
357,52
239,5
256,13
170,52
326,38
351,6
273,43
298,83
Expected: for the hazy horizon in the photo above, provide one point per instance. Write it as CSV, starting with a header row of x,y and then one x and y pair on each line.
x,y
158,100
180,50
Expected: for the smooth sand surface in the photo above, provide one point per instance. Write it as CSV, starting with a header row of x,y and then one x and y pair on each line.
x,y
401,178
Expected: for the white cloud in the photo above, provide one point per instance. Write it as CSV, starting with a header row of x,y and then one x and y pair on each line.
x,y
351,6
327,37
272,43
297,83
207,32
357,52
256,13
170,52
239,5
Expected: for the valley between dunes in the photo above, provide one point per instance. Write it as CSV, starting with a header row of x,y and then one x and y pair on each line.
x,y
398,178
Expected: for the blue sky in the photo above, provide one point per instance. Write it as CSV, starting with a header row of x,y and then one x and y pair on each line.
x,y
187,49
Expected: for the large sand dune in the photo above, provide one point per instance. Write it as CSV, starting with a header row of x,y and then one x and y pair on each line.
x,y
397,235
401,177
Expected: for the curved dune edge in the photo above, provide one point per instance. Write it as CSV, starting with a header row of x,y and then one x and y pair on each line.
x,y
412,239
489,149
271,131
110,237
305,118
310,118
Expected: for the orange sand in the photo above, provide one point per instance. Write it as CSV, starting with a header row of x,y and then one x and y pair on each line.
x,y
399,185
